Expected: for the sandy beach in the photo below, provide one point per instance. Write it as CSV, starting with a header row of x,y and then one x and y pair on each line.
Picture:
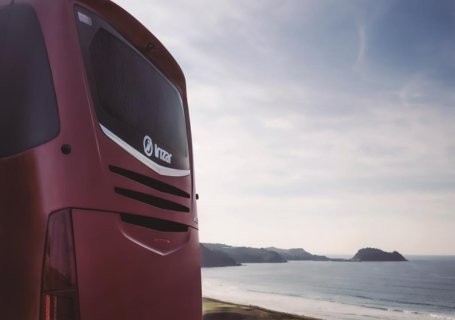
x,y
220,310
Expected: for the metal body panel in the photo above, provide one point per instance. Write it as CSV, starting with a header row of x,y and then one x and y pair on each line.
x,y
44,179
141,283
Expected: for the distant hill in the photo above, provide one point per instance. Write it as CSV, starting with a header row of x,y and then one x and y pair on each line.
x,y
217,254
221,255
246,254
214,258
298,254
373,254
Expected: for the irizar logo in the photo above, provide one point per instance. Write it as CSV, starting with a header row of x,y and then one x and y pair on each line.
x,y
148,145
159,153
162,154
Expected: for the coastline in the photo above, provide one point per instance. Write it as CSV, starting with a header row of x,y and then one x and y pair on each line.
x,y
329,291
219,310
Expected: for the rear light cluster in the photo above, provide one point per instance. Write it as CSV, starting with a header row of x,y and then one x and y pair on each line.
x,y
59,300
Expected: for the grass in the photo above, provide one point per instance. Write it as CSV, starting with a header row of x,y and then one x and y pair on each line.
x,y
219,310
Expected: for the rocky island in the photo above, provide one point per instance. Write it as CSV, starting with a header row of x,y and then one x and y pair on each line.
x,y
373,254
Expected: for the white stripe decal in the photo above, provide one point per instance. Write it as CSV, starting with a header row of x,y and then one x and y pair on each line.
x,y
142,158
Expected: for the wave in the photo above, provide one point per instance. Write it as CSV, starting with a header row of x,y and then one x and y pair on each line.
x,y
316,307
343,300
404,302
393,301
442,317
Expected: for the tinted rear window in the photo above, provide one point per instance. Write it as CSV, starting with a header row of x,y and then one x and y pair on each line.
x,y
132,98
29,115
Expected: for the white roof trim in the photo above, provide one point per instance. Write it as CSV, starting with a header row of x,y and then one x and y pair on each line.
x,y
142,158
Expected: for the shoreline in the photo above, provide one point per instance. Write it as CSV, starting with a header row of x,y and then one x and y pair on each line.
x,y
214,309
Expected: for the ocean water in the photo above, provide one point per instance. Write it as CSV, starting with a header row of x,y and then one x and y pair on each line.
x,y
422,288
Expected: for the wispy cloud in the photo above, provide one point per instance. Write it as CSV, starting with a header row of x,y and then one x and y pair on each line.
x,y
318,123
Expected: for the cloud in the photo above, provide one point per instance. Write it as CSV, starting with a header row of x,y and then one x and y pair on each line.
x,y
321,116
362,47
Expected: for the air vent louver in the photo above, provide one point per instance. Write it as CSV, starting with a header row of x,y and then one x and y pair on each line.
x,y
154,223
152,200
149,182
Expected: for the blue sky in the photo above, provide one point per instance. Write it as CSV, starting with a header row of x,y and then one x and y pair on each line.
x,y
326,125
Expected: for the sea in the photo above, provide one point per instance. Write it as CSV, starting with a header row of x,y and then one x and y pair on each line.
x,y
422,288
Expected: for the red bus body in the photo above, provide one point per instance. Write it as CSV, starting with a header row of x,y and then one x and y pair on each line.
x,y
88,228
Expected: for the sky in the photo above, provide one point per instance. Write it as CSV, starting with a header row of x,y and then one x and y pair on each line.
x,y
326,125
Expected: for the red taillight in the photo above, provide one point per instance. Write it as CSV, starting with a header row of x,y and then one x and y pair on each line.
x,y
59,299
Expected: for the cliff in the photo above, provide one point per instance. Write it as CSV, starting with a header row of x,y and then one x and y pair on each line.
x,y
214,258
298,254
247,254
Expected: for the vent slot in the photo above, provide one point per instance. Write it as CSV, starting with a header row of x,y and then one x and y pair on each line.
x,y
154,223
149,182
151,200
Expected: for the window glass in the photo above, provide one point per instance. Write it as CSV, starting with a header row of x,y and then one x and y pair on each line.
x,y
134,101
29,115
